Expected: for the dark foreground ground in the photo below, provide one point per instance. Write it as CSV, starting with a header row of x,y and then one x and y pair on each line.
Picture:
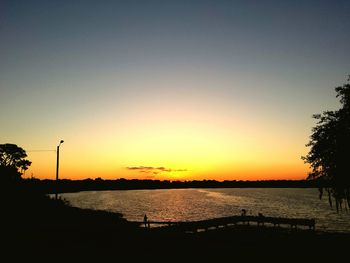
x,y
40,229
248,244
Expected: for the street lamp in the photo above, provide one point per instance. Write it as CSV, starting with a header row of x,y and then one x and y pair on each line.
x,y
57,165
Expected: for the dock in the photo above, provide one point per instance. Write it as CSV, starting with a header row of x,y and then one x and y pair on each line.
x,y
224,222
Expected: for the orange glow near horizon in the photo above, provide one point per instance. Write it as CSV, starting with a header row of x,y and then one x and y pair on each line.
x,y
174,149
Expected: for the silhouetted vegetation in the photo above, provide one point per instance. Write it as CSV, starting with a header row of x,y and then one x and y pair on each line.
x,y
12,163
330,148
65,185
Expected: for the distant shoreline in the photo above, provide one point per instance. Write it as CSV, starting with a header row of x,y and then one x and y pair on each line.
x,y
68,186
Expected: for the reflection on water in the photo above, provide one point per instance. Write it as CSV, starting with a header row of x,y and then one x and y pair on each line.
x,y
197,204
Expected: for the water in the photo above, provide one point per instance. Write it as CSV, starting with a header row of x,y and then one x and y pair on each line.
x,y
197,204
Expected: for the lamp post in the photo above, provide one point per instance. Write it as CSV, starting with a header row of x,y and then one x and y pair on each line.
x,y
57,165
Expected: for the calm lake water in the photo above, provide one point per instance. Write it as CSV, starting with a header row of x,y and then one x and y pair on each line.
x,y
197,204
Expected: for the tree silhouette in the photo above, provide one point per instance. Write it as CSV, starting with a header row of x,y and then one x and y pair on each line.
x,y
12,162
329,150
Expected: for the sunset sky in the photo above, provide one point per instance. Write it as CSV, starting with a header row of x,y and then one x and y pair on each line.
x,y
175,90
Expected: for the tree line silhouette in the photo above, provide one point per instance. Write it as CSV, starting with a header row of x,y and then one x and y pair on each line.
x,y
67,185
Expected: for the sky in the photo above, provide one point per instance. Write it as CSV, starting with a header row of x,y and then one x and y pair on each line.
x,y
175,90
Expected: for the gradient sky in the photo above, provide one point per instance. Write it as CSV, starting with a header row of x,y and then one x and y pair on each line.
x,y
169,89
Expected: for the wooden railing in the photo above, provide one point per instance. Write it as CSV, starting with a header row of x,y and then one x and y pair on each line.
x,y
195,226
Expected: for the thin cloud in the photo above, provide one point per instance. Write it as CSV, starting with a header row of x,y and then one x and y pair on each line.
x,y
154,170
142,168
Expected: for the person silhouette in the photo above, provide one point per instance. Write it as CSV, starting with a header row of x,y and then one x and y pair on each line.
x,y
145,220
260,219
243,212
